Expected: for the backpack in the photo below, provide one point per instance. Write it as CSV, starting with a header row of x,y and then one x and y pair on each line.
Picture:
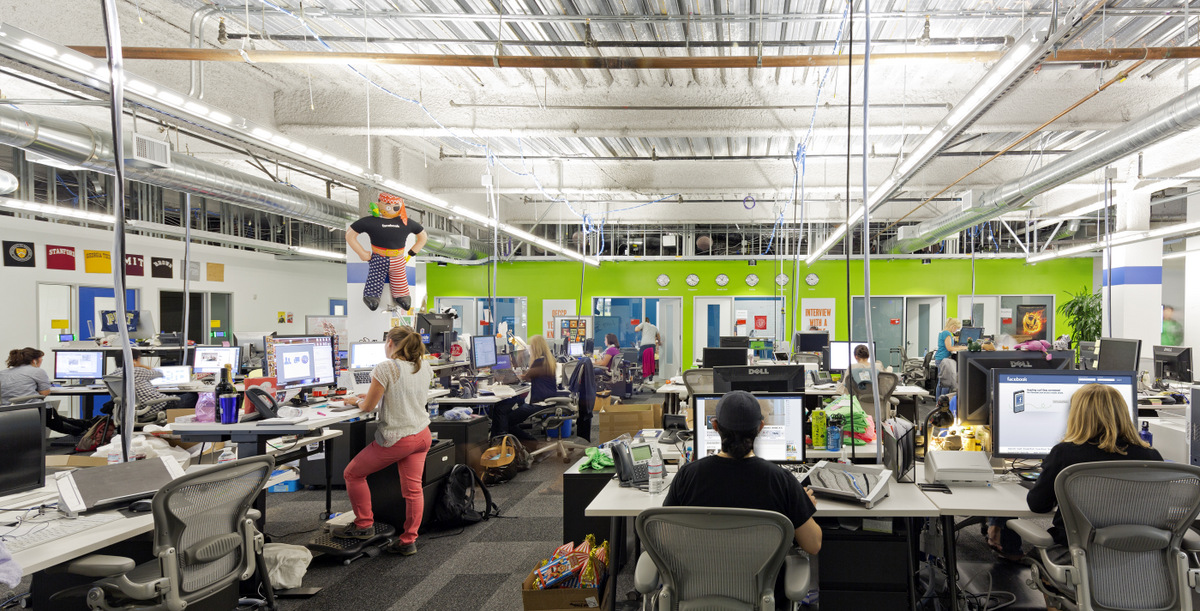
x,y
456,502
521,460
99,433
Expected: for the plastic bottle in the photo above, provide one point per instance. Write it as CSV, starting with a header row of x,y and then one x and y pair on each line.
x,y
834,437
655,472
114,454
1145,434
227,456
433,410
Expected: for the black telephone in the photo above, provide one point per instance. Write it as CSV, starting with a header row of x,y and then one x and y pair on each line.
x,y
632,464
264,404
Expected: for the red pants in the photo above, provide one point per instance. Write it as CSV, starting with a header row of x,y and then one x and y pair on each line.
x,y
409,456
648,361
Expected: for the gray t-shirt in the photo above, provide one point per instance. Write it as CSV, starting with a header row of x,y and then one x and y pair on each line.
x,y
649,333
22,381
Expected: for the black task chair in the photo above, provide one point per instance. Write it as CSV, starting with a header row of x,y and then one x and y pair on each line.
x,y
204,541
1128,539
866,397
554,415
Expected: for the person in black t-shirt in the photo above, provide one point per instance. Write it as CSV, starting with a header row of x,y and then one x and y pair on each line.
x,y
387,260
735,477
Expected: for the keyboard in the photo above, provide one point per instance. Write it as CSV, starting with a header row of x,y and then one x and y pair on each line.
x,y
33,533
362,377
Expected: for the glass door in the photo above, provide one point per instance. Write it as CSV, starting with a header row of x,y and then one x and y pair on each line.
x,y
922,323
220,323
464,307
666,314
712,317
613,315
887,317
981,310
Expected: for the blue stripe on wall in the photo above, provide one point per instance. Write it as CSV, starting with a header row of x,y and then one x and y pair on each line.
x,y
1146,274
356,273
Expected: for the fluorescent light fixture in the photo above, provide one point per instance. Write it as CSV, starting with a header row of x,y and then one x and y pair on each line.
x,y
78,62
220,117
1123,239
313,252
56,211
171,98
259,132
196,109
141,87
39,47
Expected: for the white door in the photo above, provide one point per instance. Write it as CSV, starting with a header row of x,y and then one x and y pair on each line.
x,y
712,317
923,321
670,326
468,318
982,310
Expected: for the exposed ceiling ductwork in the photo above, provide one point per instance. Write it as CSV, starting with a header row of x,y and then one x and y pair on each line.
x,y
79,145
8,183
1180,114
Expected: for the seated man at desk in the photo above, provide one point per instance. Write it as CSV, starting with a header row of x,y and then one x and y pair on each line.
x,y
144,390
735,477
860,370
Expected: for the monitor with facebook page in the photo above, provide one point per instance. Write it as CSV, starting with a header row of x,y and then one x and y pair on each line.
x,y
300,361
483,351
212,359
841,355
366,355
974,402
78,365
1030,407
173,376
782,437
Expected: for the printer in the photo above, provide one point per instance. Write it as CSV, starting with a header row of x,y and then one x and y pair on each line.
x,y
958,468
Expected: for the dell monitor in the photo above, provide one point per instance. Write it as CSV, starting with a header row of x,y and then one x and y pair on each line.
x,y
735,341
974,375
969,334
212,359
759,378
1115,354
23,437
1173,363
574,349
366,355
781,439
1029,412
717,357
810,341
437,331
1087,355
173,376
69,365
301,361
483,351
841,355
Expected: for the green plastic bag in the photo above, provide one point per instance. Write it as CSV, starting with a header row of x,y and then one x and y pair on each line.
x,y
596,459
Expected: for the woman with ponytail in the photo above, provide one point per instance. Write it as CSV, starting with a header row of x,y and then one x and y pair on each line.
x,y
25,379
399,390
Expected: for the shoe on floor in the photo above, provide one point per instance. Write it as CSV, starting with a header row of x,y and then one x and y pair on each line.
x,y
404,550
350,531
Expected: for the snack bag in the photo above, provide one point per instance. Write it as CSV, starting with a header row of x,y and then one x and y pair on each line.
x,y
589,577
555,572
602,553
576,560
563,550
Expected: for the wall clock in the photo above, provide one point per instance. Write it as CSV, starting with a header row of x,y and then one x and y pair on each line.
x,y
812,279
752,280
781,279
722,279
663,280
693,280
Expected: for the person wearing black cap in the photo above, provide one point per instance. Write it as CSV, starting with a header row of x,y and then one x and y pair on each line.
x,y
735,477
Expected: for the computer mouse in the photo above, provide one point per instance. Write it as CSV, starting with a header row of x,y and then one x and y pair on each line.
x,y
141,505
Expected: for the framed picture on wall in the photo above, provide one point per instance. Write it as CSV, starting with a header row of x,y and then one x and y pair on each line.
x,y
1031,321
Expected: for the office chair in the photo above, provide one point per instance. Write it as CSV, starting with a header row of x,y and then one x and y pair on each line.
x,y
682,548
866,398
607,378
1127,543
698,381
556,412
204,541
116,388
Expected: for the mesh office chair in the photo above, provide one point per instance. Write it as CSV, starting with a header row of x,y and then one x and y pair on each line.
x,y
716,558
866,398
116,388
1126,523
556,412
698,381
204,540
607,378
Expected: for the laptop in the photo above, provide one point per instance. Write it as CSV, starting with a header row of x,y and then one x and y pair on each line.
x,y
364,356
505,376
173,376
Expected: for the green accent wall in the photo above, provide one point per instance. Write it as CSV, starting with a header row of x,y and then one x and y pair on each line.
x,y
539,280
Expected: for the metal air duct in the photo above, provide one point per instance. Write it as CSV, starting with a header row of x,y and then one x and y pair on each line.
x,y
80,145
8,183
1180,114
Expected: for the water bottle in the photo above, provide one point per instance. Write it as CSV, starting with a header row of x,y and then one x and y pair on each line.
x,y
1146,435
114,454
833,438
433,410
227,456
655,472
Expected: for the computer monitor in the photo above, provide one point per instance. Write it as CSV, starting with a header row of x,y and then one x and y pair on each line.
x,y
968,334
69,365
735,341
974,376
574,349
780,441
716,357
145,326
503,361
759,378
437,331
212,359
1173,363
173,376
23,437
301,361
252,343
483,351
811,341
1087,355
1116,354
1029,413
364,355
841,355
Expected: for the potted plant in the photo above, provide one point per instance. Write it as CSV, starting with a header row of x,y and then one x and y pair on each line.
x,y
1084,315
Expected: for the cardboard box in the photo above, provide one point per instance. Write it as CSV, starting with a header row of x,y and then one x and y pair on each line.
x,y
73,461
562,599
211,450
629,418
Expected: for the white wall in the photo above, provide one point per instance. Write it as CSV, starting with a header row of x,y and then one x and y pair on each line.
x,y
261,285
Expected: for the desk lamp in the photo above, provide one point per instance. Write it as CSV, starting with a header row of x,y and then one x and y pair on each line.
x,y
940,417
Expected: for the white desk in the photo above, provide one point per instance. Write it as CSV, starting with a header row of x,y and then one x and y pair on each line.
x,y
867,450
500,393
901,391
318,416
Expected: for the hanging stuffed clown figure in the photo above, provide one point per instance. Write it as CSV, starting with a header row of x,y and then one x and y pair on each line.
x,y
388,228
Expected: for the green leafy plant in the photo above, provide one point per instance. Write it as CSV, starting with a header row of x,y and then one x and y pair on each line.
x,y
1084,315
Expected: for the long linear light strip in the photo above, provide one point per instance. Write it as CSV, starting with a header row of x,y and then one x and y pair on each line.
x,y
1120,240
153,95
108,219
1000,77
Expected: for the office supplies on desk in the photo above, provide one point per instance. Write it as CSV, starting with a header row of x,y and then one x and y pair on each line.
x,y
278,421
866,484
50,528
96,487
962,468
899,448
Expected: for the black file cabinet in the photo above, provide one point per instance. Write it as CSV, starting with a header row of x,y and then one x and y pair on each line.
x,y
387,499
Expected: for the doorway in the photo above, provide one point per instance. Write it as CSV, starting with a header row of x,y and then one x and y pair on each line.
x,y
923,321
613,315
712,317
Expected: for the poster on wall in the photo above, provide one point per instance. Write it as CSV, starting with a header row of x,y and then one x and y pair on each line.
x,y
1031,321
816,314
162,268
573,328
135,265
18,254
97,261
193,271
552,308
60,257
216,272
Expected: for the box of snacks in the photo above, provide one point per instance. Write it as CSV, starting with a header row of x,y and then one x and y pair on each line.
x,y
571,578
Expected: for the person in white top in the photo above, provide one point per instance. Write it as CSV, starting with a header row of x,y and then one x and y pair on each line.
x,y
650,339
399,389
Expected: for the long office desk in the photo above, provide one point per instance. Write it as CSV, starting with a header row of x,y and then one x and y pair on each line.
x,y
500,393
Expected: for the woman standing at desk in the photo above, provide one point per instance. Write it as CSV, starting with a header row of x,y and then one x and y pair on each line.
x,y
945,341
614,348
401,382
